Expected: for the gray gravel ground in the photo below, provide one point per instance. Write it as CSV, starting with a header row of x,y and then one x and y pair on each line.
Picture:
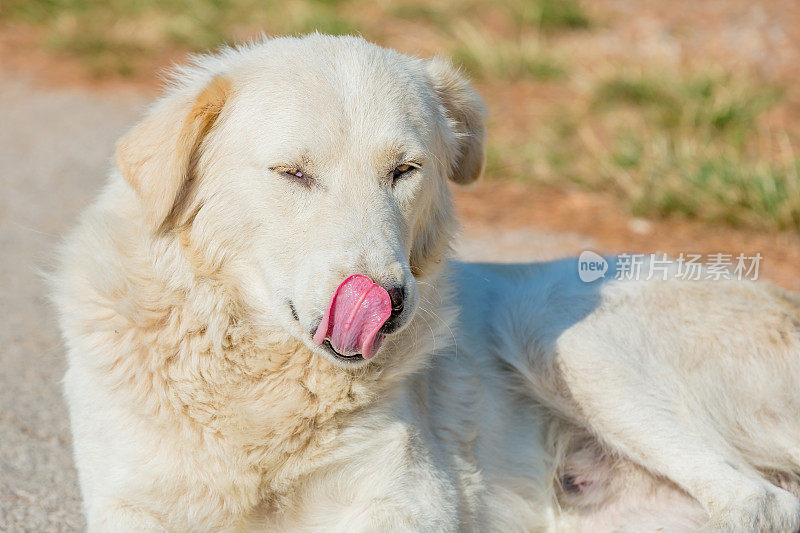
x,y
55,146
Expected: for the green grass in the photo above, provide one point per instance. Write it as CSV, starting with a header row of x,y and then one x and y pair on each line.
x,y
482,56
722,188
674,141
674,146
119,36
715,104
511,63
521,15
668,176
550,14
438,14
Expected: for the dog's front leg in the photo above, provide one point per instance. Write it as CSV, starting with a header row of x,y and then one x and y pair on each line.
x,y
628,407
383,479
116,516
355,498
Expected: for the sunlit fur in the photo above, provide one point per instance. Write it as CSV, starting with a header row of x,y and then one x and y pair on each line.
x,y
515,398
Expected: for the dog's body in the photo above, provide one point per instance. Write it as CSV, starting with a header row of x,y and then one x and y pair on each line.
x,y
503,398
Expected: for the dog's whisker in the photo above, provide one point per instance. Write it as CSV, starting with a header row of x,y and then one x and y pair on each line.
x,y
449,328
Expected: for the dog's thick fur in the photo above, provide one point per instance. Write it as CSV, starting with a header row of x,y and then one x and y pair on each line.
x,y
513,398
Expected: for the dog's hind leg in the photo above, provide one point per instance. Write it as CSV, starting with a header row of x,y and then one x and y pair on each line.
x,y
697,397
639,420
636,407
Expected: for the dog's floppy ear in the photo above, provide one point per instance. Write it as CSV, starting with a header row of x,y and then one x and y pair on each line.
x,y
156,156
466,113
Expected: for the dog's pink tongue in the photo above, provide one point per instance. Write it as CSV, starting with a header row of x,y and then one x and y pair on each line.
x,y
357,311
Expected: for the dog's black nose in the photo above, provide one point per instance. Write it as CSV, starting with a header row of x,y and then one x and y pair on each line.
x,y
396,294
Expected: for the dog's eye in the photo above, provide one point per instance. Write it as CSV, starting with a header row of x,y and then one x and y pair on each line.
x,y
294,173
399,170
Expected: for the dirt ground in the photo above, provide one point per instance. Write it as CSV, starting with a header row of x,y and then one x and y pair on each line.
x,y
598,219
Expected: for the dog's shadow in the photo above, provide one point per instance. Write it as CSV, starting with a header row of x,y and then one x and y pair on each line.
x,y
529,305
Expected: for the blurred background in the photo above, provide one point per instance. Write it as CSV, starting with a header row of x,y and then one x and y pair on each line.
x,y
616,125
680,111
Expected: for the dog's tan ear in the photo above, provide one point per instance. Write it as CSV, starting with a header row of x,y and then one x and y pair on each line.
x,y
156,156
466,113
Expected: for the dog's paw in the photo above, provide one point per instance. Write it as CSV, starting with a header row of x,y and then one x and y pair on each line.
x,y
765,510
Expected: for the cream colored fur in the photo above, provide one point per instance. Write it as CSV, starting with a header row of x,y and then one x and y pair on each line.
x,y
515,397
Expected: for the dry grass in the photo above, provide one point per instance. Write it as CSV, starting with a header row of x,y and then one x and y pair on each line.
x,y
483,56
692,135
695,147
120,37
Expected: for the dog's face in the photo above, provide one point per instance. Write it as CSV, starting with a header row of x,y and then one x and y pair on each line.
x,y
301,162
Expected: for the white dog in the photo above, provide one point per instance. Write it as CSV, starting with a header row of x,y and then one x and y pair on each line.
x,y
264,334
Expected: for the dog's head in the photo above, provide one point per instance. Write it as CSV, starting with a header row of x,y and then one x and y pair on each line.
x,y
292,165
